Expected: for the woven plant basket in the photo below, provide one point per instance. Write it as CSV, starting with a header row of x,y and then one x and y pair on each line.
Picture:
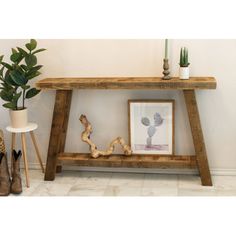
x,y
2,144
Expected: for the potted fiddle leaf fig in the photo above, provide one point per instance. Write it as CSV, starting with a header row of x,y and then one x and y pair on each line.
x,y
14,81
183,62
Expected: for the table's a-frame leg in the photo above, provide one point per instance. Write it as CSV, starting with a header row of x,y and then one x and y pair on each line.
x,y
198,139
58,130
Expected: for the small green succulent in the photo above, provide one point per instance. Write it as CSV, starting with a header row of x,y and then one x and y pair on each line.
x,y
183,62
14,76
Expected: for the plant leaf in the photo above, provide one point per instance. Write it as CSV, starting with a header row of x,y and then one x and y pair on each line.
x,y
1,57
181,57
31,60
8,66
15,57
24,67
7,86
32,45
9,81
28,46
25,87
20,58
187,57
20,69
1,71
6,95
10,105
22,51
39,50
33,72
34,69
33,75
13,50
5,83
31,93
18,78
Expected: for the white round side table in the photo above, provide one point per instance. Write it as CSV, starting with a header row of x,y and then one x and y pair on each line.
x,y
29,128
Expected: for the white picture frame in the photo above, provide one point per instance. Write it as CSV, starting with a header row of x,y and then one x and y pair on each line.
x,y
151,126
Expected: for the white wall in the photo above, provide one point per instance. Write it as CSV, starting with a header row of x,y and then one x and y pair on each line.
x,y
107,110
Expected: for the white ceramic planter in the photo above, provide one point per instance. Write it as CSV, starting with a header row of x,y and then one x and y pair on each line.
x,y
184,72
19,118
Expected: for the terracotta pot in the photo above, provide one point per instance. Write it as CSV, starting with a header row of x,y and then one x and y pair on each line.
x,y
19,118
184,72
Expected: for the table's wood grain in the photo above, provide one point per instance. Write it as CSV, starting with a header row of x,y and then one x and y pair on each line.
x,y
64,87
134,161
126,83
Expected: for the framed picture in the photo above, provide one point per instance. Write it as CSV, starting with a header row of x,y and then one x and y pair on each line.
x,y
151,126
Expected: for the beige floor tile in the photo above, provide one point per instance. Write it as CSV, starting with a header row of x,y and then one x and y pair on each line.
x,y
93,179
160,181
196,192
34,176
226,192
127,180
80,183
78,190
67,177
90,184
191,182
224,182
122,191
159,191
51,189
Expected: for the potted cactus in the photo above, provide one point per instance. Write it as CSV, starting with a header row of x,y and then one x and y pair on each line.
x,y
183,62
14,81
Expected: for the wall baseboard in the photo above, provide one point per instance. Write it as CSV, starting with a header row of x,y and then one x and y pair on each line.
x,y
220,172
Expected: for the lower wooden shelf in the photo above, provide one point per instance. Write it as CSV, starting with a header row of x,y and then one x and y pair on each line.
x,y
137,161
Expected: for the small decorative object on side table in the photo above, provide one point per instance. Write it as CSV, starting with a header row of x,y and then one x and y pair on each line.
x,y
166,71
183,62
95,153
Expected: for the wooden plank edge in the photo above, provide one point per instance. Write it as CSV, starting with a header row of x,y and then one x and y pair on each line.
x,y
134,86
135,161
116,84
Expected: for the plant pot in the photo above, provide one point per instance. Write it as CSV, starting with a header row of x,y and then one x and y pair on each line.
x,y
19,118
184,72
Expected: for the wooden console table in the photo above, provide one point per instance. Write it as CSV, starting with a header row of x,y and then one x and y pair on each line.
x,y
64,86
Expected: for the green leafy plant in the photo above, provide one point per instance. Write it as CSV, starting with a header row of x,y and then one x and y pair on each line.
x,y
183,62
15,76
